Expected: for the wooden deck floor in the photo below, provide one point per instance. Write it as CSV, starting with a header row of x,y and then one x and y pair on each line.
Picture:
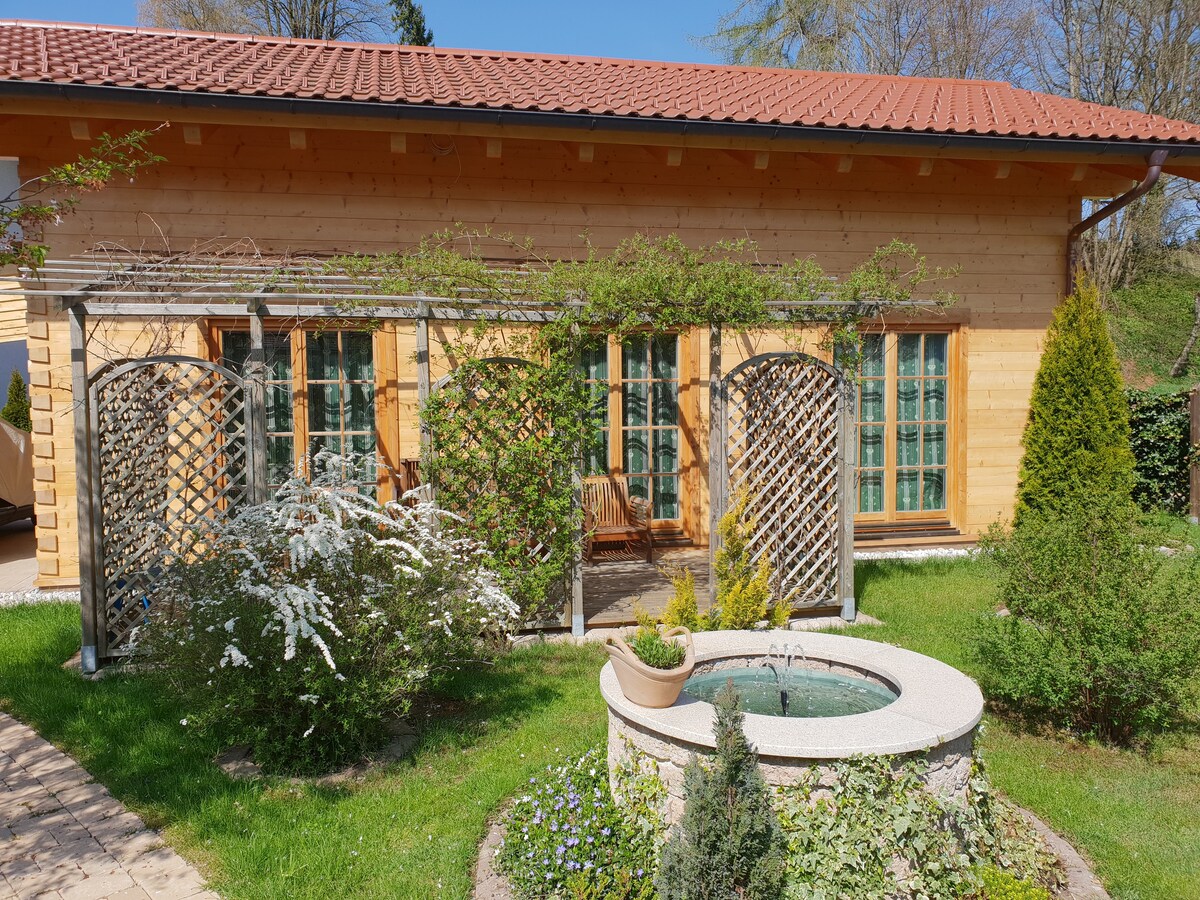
x,y
614,586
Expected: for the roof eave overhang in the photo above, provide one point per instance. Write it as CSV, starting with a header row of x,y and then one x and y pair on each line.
x,y
598,124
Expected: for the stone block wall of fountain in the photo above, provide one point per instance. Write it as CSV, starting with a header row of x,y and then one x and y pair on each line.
x,y
933,717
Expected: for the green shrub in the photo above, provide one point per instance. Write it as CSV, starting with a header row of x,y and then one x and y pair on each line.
x,y
565,837
873,831
728,843
1000,885
16,410
682,607
1077,436
655,651
302,626
1160,437
1103,631
743,587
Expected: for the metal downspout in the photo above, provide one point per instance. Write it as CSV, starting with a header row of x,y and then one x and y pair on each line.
x,y
1155,165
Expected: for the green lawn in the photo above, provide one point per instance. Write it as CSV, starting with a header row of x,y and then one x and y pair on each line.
x,y
1135,815
413,830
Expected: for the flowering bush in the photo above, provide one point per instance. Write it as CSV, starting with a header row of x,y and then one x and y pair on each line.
x,y
302,625
566,837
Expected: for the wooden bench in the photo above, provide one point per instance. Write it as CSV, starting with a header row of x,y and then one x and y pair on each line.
x,y
610,514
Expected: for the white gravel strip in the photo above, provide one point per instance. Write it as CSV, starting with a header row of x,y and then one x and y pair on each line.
x,y
21,598
918,555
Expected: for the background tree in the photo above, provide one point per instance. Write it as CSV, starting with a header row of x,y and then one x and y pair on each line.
x,y
409,19
1077,436
947,38
16,410
1135,54
326,20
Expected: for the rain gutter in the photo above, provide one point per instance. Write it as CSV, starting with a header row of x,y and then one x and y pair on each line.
x,y
600,124
1153,171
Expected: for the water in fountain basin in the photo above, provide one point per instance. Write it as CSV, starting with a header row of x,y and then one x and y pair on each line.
x,y
814,694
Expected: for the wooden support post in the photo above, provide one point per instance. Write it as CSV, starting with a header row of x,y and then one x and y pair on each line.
x,y
845,498
1194,473
575,601
91,599
255,393
422,324
717,480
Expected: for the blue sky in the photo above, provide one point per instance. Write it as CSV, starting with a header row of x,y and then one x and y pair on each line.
x,y
646,29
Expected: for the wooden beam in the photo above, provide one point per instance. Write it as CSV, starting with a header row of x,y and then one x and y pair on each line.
x,y
398,142
840,164
587,152
495,147
191,135
297,138
757,159
1079,172
79,130
1002,170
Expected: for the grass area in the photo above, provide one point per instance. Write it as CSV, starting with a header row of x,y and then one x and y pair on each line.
x,y
413,830
1150,323
1134,814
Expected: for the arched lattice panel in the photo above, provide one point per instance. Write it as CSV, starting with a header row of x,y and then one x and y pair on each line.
x,y
168,450
787,436
493,403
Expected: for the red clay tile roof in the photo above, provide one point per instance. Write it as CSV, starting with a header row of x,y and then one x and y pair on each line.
x,y
281,67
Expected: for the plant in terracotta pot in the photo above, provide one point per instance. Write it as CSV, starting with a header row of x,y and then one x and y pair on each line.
x,y
653,665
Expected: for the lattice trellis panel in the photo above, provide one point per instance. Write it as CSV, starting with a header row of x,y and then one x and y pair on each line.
x,y
169,450
785,435
524,417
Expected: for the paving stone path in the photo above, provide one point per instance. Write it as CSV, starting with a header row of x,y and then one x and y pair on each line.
x,y
64,837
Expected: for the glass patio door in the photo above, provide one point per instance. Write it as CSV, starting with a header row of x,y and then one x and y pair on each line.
x,y
636,386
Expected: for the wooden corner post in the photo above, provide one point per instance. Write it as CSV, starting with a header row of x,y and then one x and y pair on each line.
x,y
91,599
845,496
718,485
254,393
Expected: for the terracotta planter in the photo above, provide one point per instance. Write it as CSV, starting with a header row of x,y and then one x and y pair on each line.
x,y
646,685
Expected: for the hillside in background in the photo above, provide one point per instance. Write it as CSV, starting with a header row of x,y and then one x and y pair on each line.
x,y
1150,323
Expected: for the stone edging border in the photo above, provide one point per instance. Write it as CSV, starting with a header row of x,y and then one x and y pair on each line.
x,y
1082,883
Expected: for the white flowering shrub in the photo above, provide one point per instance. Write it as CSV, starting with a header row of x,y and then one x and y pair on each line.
x,y
303,625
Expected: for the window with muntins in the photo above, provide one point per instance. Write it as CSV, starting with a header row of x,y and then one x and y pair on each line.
x,y
635,384
903,427
320,393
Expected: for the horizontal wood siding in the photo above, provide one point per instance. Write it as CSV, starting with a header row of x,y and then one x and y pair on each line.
x,y
347,193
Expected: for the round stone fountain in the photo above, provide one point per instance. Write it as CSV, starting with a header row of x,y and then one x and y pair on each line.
x,y
810,699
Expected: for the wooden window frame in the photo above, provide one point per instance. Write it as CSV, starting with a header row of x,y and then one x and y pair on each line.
x,y
383,354
687,383
955,430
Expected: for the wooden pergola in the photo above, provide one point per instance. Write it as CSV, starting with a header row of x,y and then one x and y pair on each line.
x,y
781,424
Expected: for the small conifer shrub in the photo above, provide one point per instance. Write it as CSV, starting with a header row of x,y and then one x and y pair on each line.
x,y
743,586
683,608
729,843
1077,436
16,410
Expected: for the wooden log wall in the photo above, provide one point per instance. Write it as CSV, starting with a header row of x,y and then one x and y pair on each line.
x,y
362,191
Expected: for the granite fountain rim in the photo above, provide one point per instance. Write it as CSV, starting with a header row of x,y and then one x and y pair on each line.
x,y
937,702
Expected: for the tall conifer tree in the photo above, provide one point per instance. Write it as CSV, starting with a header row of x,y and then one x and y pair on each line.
x,y
1077,435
